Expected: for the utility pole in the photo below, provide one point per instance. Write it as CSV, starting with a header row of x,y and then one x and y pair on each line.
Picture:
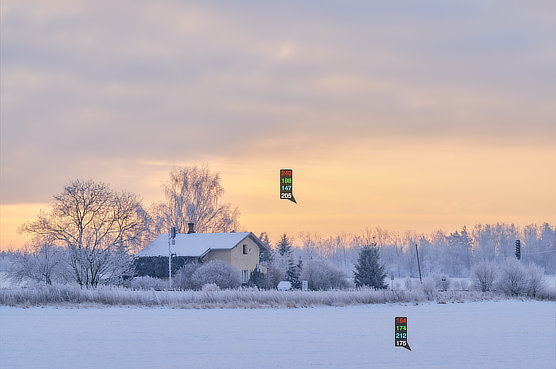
x,y
171,241
418,263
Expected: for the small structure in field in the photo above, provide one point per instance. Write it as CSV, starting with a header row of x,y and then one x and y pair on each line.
x,y
284,286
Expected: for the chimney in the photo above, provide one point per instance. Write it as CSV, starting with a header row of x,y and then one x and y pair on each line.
x,y
190,226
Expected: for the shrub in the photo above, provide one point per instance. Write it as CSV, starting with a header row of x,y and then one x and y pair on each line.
x,y
535,280
74,295
547,293
429,287
210,287
462,285
148,283
260,280
218,272
513,278
408,284
484,275
182,279
321,275
274,275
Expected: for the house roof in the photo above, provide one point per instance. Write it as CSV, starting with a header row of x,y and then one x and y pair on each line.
x,y
196,244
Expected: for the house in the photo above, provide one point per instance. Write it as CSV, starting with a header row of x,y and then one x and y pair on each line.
x,y
239,249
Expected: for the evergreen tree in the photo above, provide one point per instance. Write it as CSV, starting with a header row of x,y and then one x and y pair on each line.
x,y
265,257
368,270
284,247
260,280
293,273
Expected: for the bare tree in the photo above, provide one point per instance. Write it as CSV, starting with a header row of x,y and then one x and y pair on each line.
x,y
96,225
193,195
41,261
310,245
484,275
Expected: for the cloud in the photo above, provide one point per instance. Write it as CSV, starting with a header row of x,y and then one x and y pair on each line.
x,y
89,83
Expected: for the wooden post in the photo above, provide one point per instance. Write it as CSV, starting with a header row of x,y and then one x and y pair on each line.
x,y
418,263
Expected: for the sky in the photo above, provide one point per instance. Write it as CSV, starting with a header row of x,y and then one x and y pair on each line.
x,y
402,115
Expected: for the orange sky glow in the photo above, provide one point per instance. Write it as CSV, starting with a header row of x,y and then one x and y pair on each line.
x,y
419,117
422,187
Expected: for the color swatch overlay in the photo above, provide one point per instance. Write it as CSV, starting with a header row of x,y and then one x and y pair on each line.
x,y
400,332
286,185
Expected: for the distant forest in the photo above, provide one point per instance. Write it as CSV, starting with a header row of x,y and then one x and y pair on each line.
x,y
96,231
452,254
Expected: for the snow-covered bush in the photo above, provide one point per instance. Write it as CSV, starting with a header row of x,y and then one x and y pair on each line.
x,y
321,275
516,279
408,284
274,275
547,293
148,283
535,280
429,287
461,285
484,275
218,272
6,261
71,295
182,278
513,278
210,287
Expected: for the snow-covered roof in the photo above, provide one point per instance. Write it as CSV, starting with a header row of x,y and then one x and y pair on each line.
x,y
194,244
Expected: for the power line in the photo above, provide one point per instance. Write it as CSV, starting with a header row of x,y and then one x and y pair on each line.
x,y
538,252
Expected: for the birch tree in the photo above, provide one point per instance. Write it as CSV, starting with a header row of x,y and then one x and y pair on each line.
x,y
193,195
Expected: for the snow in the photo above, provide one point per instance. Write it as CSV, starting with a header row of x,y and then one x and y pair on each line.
x,y
193,244
505,334
550,280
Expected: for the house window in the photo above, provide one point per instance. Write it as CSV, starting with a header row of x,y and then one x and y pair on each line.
x,y
244,276
244,249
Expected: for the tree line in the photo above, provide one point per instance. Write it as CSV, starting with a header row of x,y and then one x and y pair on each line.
x,y
451,253
90,233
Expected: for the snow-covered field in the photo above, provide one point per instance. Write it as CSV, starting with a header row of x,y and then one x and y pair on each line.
x,y
504,334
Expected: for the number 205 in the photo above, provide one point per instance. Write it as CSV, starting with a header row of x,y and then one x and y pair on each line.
x,y
285,195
